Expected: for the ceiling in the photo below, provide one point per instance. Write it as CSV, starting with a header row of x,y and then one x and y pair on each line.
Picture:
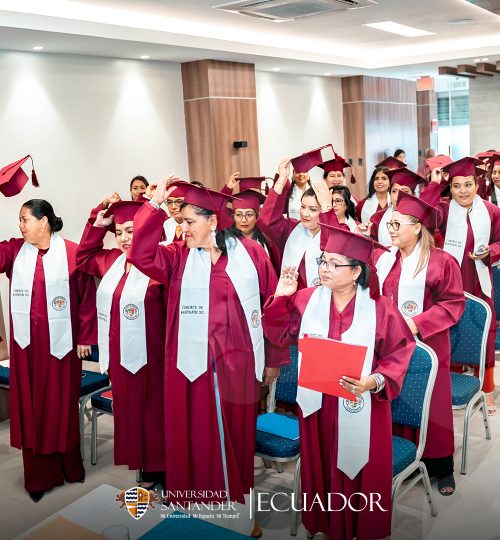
x,y
186,30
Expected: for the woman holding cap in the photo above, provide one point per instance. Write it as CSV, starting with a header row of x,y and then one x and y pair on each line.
x,y
217,357
471,230
138,186
131,324
52,307
299,241
345,446
301,182
426,285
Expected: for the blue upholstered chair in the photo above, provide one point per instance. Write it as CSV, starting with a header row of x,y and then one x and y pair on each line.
x,y
4,377
469,338
100,405
92,382
496,301
274,448
411,408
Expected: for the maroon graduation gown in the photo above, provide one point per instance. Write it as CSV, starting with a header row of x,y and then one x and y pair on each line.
x,y
137,398
193,450
444,303
359,207
278,228
468,268
44,391
375,221
319,431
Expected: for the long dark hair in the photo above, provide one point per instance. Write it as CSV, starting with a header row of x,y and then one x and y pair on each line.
x,y
40,208
371,184
346,195
257,234
141,178
220,236
290,193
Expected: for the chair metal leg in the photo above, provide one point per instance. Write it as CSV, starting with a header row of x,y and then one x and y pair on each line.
x,y
93,438
463,469
486,419
138,476
279,467
81,414
296,495
428,490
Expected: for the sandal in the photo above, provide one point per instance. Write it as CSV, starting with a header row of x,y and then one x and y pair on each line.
x,y
490,407
257,531
445,483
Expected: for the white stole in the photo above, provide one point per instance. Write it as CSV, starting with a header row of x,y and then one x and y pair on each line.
x,y
56,272
370,207
194,307
169,227
294,202
411,288
301,243
497,194
383,232
351,223
456,236
133,350
353,417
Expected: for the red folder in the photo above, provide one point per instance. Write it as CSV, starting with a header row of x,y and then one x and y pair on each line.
x,y
108,395
326,361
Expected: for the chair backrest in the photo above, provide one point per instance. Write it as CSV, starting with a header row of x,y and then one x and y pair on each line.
x,y
411,407
469,337
285,388
496,290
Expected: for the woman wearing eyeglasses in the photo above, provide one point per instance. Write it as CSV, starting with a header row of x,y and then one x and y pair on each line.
x,y
470,227
426,285
343,207
298,241
345,446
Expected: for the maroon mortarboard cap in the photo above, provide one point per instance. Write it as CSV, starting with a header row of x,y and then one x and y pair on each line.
x,y
249,198
123,211
437,162
204,197
305,162
494,160
13,178
483,156
391,163
251,183
412,206
338,165
463,167
405,177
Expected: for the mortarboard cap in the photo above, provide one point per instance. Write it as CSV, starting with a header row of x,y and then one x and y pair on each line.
x,y
249,198
437,162
462,167
391,163
305,162
494,160
338,164
412,206
13,178
405,177
123,211
251,183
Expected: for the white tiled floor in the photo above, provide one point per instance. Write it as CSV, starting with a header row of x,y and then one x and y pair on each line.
x,y
472,513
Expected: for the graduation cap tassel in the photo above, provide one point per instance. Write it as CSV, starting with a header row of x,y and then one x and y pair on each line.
x,y
438,238
353,179
34,178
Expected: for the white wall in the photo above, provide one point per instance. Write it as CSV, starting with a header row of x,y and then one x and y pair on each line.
x,y
484,114
91,124
296,114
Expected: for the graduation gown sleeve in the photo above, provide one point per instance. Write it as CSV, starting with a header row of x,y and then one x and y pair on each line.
x,y
91,256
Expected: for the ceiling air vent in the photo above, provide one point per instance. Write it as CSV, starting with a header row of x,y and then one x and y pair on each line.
x,y
489,5
289,10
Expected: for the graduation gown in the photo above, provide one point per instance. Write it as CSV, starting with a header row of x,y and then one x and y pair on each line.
x,y
278,228
376,220
319,431
193,441
360,205
444,303
44,391
137,398
468,268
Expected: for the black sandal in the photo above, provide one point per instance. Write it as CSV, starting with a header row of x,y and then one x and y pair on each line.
x,y
446,482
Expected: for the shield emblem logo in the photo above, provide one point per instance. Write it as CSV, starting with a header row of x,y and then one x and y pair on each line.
x,y
137,501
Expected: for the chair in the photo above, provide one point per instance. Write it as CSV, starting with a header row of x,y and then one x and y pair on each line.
x,y
469,339
278,449
92,383
411,408
100,405
4,377
496,301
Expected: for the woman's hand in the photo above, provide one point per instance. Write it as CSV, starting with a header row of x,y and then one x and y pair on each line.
x,y
160,193
270,375
287,284
364,228
114,197
437,175
324,196
284,174
150,190
480,256
233,180
413,327
357,387
83,351
101,221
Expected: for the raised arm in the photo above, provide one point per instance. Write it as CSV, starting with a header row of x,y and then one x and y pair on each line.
x,y
7,256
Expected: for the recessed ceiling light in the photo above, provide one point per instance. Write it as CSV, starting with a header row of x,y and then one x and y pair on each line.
x,y
38,48
484,59
144,57
400,29
477,60
276,69
327,74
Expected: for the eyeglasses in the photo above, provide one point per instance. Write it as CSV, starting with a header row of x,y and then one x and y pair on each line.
x,y
247,215
330,265
338,201
177,202
396,224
